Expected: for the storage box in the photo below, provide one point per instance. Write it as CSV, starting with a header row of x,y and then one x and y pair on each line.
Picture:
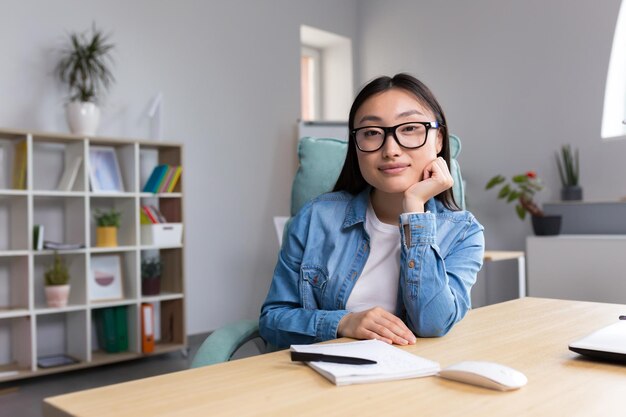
x,y
162,234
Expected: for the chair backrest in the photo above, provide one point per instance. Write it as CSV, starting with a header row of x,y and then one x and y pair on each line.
x,y
321,160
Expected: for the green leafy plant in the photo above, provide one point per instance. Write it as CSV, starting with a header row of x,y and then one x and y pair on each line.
x,y
567,161
84,65
151,267
57,274
110,218
521,188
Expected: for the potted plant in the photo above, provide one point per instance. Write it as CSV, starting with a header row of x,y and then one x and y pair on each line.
x,y
85,68
57,287
567,162
151,276
108,222
522,189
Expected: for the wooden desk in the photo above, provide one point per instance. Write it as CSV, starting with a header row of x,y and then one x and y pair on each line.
x,y
529,334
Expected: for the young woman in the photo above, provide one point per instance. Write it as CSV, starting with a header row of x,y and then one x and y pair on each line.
x,y
387,255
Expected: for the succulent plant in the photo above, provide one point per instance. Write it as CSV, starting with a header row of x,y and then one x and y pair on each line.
x,y
57,274
110,218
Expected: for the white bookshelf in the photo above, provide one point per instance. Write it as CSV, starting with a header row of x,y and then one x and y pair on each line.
x,y
28,327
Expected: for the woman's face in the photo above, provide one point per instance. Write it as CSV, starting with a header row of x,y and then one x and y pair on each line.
x,y
392,168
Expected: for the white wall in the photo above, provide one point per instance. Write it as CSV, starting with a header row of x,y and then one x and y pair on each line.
x,y
517,79
338,78
229,73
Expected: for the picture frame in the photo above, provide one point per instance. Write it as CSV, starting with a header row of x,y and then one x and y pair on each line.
x,y
106,280
104,170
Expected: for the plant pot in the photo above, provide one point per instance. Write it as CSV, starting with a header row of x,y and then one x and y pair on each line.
x,y
83,118
572,193
546,225
106,237
57,295
151,286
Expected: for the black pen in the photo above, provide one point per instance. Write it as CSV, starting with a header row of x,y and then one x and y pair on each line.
x,y
622,317
320,357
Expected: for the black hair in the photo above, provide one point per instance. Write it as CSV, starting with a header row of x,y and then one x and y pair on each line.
x,y
350,179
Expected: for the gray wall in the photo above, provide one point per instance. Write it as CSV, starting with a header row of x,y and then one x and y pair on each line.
x,y
229,73
517,79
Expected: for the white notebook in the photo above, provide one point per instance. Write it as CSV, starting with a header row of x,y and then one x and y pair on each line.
x,y
392,363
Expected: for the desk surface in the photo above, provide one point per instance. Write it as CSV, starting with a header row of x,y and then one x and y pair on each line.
x,y
529,334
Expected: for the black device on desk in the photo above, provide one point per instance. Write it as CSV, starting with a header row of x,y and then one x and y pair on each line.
x,y
320,357
607,343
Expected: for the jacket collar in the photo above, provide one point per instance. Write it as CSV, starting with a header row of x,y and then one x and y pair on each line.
x,y
357,207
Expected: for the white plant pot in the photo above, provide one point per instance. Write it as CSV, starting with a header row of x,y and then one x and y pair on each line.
x,y
57,295
83,117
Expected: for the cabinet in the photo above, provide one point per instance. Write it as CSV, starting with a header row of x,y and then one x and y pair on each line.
x,y
28,328
577,267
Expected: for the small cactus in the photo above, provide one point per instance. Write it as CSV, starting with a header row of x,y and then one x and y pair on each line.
x,y
57,273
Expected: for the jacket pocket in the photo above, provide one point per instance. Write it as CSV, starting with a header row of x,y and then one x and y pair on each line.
x,y
313,280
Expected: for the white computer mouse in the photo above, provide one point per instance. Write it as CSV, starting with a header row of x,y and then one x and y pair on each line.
x,y
485,374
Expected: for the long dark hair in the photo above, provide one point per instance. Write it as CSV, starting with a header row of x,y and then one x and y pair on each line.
x,y
350,179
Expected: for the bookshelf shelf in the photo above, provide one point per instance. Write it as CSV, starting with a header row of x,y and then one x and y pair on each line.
x,y
34,165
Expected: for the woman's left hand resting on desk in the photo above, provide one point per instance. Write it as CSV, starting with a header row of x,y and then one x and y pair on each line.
x,y
375,323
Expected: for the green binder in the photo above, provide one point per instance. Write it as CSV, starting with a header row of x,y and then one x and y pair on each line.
x,y
121,328
105,326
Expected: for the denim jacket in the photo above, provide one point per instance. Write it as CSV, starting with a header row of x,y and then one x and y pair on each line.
x,y
325,250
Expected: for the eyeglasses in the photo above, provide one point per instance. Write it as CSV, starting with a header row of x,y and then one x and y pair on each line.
x,y
410,135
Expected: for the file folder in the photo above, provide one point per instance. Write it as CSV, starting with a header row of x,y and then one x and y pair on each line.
x,y
147,328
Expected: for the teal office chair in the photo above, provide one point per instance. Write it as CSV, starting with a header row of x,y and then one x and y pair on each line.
x,y
320,160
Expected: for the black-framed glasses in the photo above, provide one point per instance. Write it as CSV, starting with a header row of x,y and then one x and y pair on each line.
x,y
410,135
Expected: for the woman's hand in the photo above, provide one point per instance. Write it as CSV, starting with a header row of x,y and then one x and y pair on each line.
x,y
436,179
375,323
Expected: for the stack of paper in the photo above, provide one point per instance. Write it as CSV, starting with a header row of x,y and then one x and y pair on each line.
x,y
392,363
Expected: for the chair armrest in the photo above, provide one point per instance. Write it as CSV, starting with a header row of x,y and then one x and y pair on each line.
x,y
220,345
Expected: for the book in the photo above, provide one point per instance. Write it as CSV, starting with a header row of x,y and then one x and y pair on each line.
x,y
48,244
157,213
19,166
175,179
392,363
38,233
143,217
155,178
55,360
149,214
163,187
69,174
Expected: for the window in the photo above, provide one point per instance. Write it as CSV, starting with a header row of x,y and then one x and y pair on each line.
x,y
615,94
325,75
310,83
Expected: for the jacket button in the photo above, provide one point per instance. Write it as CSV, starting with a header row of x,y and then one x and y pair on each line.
x,y
411,264
365,246
353,275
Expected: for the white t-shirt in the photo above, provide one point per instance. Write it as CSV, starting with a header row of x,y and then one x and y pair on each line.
x,y
378,284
